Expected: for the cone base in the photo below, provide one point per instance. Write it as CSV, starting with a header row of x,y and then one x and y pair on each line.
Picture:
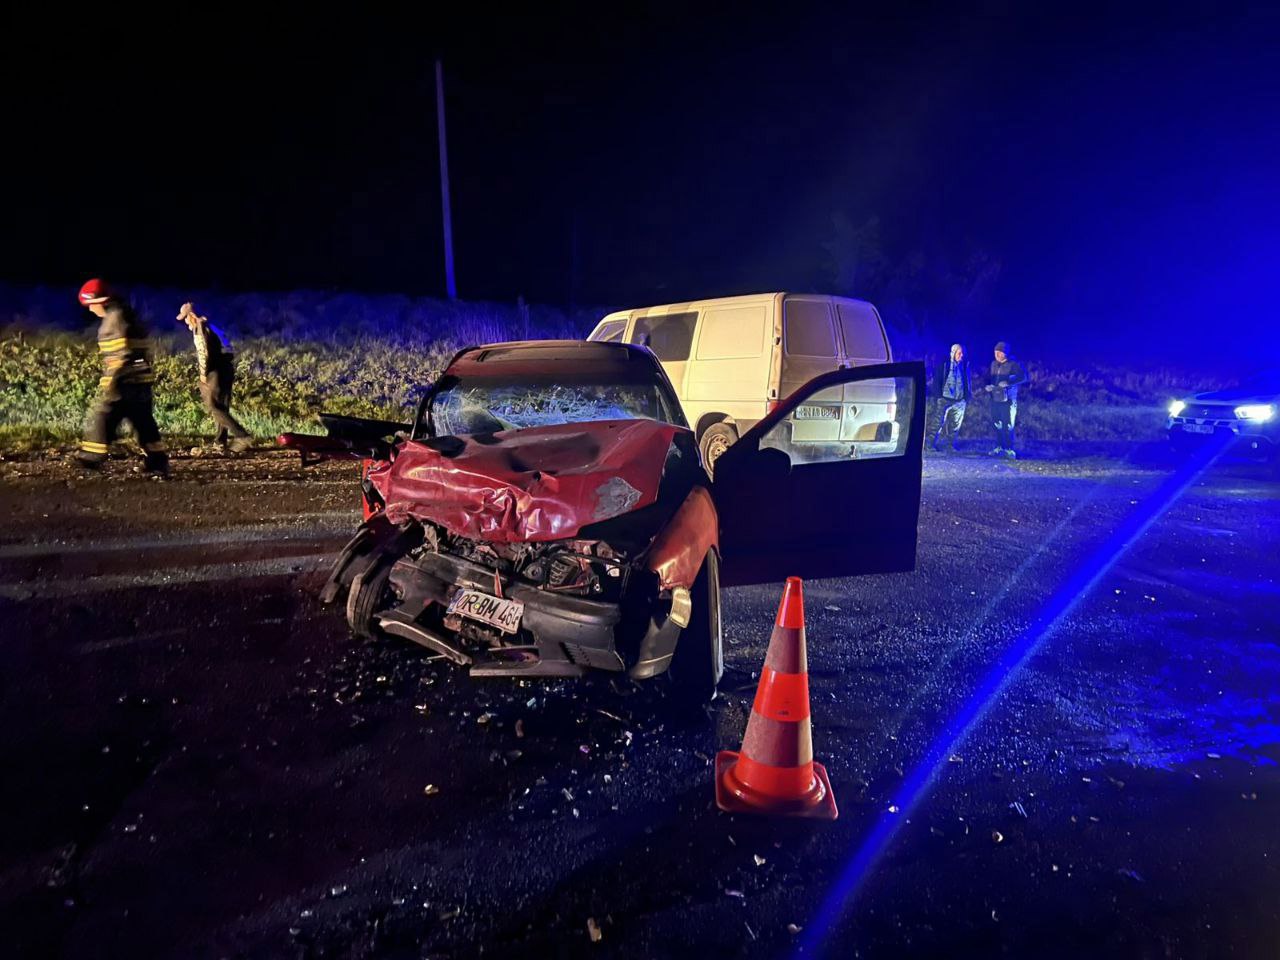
x,y
736,797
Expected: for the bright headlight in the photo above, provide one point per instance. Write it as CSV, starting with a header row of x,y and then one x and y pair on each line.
x,y
1176,407
1256,411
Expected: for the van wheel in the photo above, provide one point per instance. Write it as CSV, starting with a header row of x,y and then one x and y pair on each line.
x,y
717,438
698,662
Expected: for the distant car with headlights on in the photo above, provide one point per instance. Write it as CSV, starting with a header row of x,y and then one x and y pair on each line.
x,y
1245,418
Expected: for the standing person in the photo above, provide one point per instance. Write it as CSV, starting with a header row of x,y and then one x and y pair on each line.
x,y
1007,374
951,387
217,367
124,391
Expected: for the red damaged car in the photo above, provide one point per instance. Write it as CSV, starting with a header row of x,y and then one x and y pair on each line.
x,y
546,512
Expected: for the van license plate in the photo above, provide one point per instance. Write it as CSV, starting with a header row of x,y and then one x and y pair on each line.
x,y
815,412
495,611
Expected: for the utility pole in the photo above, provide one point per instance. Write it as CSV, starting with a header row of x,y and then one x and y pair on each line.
x,y
450,283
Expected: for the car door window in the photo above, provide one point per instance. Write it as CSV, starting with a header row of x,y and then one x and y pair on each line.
x,y
861,420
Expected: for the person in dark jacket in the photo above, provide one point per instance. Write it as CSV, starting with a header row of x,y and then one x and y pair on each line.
x,y
1007,374
216,365
124,390
951,387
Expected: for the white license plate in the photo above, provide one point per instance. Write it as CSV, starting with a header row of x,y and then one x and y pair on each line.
x,y
1197,427
495,611
815,412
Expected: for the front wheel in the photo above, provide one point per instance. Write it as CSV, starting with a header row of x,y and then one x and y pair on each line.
x,y
369,594
717,438
699,658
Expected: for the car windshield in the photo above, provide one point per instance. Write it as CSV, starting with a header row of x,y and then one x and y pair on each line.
x,y
474,406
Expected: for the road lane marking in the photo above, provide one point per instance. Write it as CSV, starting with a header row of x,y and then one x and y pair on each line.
x,y
128,639
244,570
342,523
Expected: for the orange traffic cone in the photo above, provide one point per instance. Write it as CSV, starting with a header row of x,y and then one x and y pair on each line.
x,y
775,772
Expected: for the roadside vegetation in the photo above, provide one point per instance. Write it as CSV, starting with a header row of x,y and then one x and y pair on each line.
x,y
303,352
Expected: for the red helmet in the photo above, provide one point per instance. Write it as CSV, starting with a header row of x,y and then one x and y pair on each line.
x,y
95,291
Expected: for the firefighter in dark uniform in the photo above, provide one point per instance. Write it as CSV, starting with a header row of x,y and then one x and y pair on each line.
x,y
217,367
124,391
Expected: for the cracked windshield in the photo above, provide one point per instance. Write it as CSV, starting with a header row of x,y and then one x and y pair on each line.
x,y
487,407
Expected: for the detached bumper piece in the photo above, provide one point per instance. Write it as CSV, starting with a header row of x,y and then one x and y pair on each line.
x,y
559,635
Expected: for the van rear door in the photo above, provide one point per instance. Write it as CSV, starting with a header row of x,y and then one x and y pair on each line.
x,y
862,335
867,405
810,344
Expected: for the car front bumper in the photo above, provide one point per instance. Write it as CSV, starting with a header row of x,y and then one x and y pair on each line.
x,y
1257,438
559,635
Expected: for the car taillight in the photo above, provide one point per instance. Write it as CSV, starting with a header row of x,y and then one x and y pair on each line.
x,y
772,405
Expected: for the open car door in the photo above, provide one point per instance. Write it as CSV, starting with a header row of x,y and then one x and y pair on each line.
x,y
828,484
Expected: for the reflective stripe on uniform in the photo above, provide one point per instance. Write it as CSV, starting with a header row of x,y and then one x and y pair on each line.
x,y
111,346
92,446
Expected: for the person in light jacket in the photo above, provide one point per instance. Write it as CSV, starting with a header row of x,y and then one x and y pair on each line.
x,y
951,387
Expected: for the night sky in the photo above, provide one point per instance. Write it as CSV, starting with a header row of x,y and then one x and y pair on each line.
x,y
1121,166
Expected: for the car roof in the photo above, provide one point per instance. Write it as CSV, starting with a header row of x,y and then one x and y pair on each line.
x,y
620,361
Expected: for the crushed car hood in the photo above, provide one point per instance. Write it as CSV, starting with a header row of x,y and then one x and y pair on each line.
x,y
536,484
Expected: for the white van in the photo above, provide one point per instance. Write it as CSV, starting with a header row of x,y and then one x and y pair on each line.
x,y
732,359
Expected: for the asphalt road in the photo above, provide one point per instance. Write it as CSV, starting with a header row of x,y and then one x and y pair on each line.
x,y
199,762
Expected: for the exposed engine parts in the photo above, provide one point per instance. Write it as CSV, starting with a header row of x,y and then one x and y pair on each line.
x,y
588,568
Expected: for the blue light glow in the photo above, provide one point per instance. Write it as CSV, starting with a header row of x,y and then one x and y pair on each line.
x,y
917,783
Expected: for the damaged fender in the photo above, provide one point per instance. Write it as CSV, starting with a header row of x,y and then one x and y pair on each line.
x,y
680,547
677,556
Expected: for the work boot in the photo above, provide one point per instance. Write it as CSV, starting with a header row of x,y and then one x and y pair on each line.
x,y
997,452
240,444
1011,454
157,465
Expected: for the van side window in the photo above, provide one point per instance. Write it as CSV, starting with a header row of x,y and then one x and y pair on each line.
x,y
611,332
807,324
732,333
863,337
669,336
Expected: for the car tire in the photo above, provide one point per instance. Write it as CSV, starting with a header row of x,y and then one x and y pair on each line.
x,y
716,439
699,657
368,595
